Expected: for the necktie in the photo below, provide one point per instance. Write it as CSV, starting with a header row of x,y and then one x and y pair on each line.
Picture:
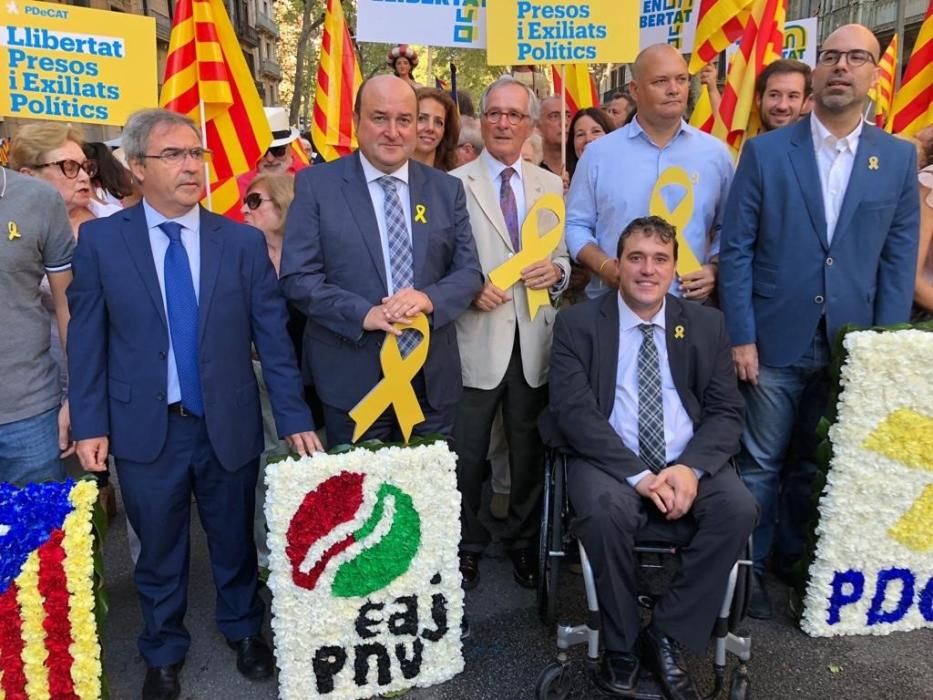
x,y
509,208
651,444
400,260
182,318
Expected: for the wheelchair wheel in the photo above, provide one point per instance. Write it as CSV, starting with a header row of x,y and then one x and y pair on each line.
x,y
550,539
553,682
739,687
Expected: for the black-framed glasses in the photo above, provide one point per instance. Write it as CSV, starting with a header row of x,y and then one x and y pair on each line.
x,y
277,151
854,57
71,167
254,200
494,115
176,156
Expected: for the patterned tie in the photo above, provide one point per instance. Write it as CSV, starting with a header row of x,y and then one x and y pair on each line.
x,y
509,208
182,318
400,261
651,444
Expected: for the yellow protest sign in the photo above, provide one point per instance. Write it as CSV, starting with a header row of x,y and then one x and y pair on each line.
x,y
395,388
535,247
556,31
74,64
678,217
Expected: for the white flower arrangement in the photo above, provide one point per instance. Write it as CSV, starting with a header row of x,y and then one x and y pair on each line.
x,y
873,568
364,571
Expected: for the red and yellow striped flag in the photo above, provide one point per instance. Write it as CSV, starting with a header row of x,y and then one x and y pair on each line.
x,y
581,89
338,79
762,42
719,23
298,154
205,66
913,103
883,91
702,116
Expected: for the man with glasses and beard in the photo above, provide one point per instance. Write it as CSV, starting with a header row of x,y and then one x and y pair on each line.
x,y
279,158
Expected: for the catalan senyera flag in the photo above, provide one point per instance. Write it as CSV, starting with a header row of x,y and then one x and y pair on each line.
x,y
719,23
883,92
702,116
205,66
338,79
913,103
580,86
762,42
298,153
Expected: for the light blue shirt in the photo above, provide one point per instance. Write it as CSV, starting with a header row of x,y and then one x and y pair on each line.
x,y
158,241
614,179
378,197
516,182
678,428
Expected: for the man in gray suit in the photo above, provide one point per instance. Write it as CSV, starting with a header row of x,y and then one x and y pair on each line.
x,y
371,240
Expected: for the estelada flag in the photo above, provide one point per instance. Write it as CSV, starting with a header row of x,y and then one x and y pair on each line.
x,y
205,70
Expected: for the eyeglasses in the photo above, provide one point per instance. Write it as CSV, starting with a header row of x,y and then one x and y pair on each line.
x,y
176,156
254,200
70,167
494,115
277,151
855,57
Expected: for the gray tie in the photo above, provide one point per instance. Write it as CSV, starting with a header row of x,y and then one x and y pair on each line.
x,y
400,260
651,444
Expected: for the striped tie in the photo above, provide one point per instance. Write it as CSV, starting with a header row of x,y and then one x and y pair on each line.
x,y
509,208
400,260
652,447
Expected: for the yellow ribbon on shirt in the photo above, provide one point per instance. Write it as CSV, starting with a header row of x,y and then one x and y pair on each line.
x,y
395,388
679,217
535,248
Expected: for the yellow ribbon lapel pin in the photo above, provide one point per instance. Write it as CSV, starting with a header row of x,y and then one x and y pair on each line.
x,y
872,162
421,214
12,230
679,332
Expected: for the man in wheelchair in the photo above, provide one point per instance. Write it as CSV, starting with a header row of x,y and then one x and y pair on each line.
x,y
644,395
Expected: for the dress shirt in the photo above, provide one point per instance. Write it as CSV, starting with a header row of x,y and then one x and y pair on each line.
x,y
613,181
517,182
377,195
678,428
158,241
834,160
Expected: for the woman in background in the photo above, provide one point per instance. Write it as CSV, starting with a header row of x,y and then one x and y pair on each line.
x,y
113,182
586,126
438,130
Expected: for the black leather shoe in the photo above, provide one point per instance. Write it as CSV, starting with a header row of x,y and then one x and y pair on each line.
x,y
469,570
525,567
663,655
254,658
759,602
162,682
618,673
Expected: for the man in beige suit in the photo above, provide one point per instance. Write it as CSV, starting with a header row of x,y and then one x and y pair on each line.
x,y
503,352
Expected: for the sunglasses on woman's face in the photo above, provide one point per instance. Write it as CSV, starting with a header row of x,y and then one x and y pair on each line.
x,y
254,200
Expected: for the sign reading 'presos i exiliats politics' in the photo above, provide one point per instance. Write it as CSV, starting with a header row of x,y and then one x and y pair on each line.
x,y
74,64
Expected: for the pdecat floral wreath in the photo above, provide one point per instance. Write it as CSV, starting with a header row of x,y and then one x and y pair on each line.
x,y
874,558
366,595
48,633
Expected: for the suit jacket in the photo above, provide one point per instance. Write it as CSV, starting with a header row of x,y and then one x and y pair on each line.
x,y
584,365
486,337
778,273
333,271
118,340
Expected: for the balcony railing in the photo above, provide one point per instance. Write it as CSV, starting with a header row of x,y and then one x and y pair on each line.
x,y
265,23
270,68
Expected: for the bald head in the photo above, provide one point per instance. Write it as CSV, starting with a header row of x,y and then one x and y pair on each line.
x,y
846,68
651,55
854,36
660,83
386,113
384,86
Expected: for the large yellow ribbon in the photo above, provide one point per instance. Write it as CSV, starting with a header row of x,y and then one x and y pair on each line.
x,y
535,248
679,217
395,388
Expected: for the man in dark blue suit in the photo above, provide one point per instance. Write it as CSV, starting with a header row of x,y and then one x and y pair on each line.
x,y
820,230
371,240
166,304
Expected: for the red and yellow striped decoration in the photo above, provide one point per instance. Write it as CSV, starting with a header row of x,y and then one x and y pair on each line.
x,y
702,116
719,23
338,79
205,66
581,88
913,103
883,91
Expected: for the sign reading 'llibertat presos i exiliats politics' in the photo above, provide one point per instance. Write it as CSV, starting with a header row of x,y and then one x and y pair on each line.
x,y
75,64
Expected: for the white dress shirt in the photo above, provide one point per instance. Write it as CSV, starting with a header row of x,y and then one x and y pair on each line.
x,y
158,241
834,160
377,195
678,428
517,182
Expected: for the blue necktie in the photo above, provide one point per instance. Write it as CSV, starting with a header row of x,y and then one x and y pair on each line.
x,y
182,318
652,447
400,256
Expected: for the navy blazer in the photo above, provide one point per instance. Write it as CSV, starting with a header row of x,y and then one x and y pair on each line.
x,y
333,271
118,340
777,272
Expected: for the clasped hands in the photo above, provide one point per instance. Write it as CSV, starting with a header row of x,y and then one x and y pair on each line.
x,y
401,307
543,274
672,490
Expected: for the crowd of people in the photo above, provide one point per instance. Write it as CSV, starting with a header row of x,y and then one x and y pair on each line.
x,y
197,346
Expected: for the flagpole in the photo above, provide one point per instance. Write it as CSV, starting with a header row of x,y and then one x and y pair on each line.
x,y
563,120
207,170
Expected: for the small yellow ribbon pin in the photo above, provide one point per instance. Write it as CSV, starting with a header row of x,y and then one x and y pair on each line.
x,y
679,332
13,230
420,214
872,162
395,388
535,247
679,217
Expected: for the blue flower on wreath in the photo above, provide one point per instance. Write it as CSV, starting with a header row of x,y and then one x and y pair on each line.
x,y
28,516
